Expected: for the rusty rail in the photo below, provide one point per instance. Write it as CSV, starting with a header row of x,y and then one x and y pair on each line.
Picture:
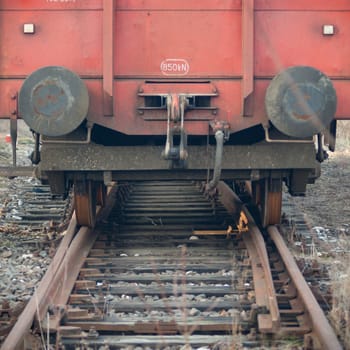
x,y
265,314
153,289
320,325
322,335
58,280
264,288
41,295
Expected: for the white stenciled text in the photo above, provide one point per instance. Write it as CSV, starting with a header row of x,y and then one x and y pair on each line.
x,y
174,67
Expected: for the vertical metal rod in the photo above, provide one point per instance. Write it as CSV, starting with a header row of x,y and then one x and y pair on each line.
x,y
247,56
108,55
13,134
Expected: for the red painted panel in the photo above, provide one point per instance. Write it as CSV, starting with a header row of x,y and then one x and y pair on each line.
x,y
302,5
209,41
8,88
122,4
324,5
69,38
193,39
343,92
179,5
285,39
129,121
50,4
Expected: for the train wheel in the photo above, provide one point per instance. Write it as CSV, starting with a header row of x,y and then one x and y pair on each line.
x,y
85,202
267,196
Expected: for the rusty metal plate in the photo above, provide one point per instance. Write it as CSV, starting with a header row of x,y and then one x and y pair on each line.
x,y
53,101
301,101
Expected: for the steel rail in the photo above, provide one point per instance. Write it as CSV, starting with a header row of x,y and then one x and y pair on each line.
x,y
41,295
143,252
58,282
322,332
264,287
59,278
320,325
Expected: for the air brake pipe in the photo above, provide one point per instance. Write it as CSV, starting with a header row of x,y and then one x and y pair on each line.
x,y
219,137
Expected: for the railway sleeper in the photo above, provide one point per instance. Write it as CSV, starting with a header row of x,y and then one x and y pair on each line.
x,y
165,326
156,342
146,312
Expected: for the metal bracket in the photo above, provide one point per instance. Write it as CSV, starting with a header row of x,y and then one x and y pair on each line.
x,y
176,106
89,127
270,140
222,125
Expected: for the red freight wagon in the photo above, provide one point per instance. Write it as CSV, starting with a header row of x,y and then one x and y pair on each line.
x,y
128,89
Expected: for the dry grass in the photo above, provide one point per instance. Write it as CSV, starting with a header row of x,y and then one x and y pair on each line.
x,y
340,276
340,270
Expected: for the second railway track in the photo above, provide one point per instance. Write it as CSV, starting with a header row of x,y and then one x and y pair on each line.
x,y
163,271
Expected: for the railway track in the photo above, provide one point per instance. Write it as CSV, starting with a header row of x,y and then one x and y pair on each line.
x,y
168,268
30,204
